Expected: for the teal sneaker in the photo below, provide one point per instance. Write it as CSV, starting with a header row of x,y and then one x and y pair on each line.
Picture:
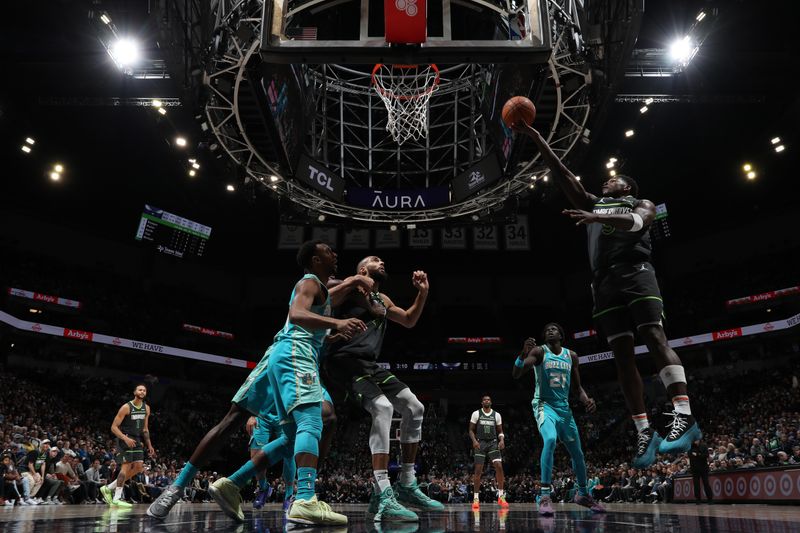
x,y
391,511
411,496
684,431
374,503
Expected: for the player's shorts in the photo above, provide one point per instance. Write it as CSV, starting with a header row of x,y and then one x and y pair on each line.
x,y
293,372
488,449
255,395
130,455
626,296
362,378
263,431
555,422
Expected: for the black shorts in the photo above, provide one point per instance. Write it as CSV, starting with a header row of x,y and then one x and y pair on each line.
x,y
361,378
626,296
130,455
488,448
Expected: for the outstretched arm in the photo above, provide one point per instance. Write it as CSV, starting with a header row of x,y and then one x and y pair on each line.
x,y
642,216
577,388
338,290
531,356
409,317
572,188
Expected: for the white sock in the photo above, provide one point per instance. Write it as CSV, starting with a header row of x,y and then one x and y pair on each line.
x,y
112,485
681,404
118,493
382,480
407,476
500,493
477,497
641,422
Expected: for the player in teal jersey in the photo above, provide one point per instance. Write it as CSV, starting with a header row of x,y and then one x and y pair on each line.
x,y
556,367
293,358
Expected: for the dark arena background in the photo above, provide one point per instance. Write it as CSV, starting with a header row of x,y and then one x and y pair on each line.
x,y
163,161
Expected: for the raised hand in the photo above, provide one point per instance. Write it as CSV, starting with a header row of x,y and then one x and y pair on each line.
x,y
420,280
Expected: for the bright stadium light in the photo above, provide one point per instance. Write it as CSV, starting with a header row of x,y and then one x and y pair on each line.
x,y
393,227
643,109
55,176
612,173
156,103
700,16
180,141
321,217
274,178
195,166
29,140
162,111
193,173
682,51
230,188
780,148
105,18
747,167
612,159
648,101
58,167
751,175
775,140
25,148
125,52
629,133
610,164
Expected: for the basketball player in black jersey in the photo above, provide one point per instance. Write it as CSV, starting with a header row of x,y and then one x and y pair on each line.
x,y
627,297
130,428
352,365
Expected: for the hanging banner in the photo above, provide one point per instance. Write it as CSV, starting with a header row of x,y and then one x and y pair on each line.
x,y
398,199
326,234
290,236
764,296
315,175
454,238
517,235
208,331
46,298
484,237
420,238
387,239
356,239
483,173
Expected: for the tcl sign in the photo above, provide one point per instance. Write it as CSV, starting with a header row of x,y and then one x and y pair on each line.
x,y
320,178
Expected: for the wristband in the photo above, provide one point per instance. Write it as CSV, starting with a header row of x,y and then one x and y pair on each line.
x,y
519,363
501,436
638,223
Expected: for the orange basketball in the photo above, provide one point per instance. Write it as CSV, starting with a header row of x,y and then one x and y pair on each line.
x,y
518,109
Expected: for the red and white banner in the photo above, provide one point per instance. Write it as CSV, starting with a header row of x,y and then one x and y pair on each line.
x,y
704,338
745,485
474,340
89,336
208,331
39,297
764,296
584,334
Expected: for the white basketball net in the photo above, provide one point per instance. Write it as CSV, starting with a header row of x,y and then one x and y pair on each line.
x,y
406,90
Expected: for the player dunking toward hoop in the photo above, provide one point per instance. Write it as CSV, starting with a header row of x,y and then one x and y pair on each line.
x,y
627,297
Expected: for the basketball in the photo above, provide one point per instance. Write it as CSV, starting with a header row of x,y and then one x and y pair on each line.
x,y
518,109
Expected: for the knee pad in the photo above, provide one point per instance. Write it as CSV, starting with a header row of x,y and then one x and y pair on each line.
x,y
381,410
308,419
413,413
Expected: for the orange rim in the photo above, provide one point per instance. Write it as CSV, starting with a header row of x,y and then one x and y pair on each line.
x,y
390,94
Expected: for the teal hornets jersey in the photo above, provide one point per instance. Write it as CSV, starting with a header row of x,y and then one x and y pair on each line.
x,y
553,376
294,332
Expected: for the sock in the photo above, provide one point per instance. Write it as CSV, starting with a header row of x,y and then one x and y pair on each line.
x,y
112,485
186,476
262,484
545,490
477,497
641,422
501,493
288,491
118,493
582,491
382,480
306,480
681,404
407,476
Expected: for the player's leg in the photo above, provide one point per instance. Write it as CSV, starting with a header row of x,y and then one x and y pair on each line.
x,y
328,427
412,412
480,458
260,438
546,421
568,434
500,477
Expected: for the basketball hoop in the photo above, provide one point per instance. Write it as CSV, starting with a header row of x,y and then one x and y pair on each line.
x,y
405,91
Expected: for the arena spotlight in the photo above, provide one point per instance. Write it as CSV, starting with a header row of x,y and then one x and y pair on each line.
x,y
274,178
475,216
747,167
682,51
780,148
545,179
643,109
472,351
230,188
58,167
610,164
162,111
25,148
180,141
105,18
532,186
612,159
578,178
775,140
612,173
196,166
125,52
648,101
629,133
192,173
321,217
156,103
274,187
31,141
700,16
751,175
55,176
393,227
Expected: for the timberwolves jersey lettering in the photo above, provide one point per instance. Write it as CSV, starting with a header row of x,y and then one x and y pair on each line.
x,y
293,332
553,377
609,246
133,423
487,425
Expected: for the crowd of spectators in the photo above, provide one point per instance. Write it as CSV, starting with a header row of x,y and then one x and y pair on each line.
x,y
54,430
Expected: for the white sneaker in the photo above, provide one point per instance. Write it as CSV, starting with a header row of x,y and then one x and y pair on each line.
x,y
22,502
8,503
31,501
47,501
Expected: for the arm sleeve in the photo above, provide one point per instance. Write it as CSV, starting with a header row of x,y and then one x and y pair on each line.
x,y
499,418
474,419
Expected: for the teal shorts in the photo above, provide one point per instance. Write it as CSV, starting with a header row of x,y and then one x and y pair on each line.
x,y
555,422
262,432
293,372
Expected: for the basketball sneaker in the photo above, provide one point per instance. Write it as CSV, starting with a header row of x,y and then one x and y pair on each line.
x,y
374,502
227,495
108,495
683,433
122,504
546,506
287,504
165,501
647,444
261,499
389,510
501,501
314,513
411,496
476,504
589,502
